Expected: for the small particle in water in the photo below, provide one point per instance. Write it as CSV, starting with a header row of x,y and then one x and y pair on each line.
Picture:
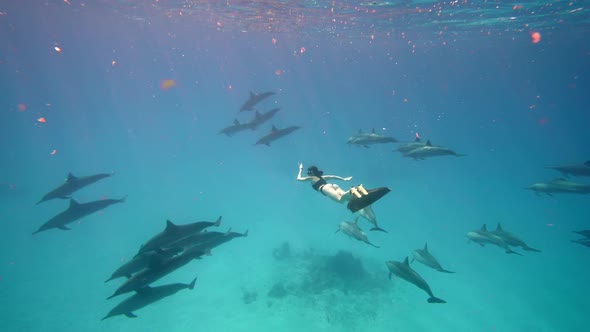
x,y
22,107
57,49
42,120
53,152
274,41
167,84
113,63
535,37
302,50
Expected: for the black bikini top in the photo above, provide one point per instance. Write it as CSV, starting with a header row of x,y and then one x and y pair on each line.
x,y
316,186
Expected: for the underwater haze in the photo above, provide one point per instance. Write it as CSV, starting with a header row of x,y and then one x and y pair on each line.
x,y
165,100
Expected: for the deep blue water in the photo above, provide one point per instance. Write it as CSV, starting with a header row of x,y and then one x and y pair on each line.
x,y
514,107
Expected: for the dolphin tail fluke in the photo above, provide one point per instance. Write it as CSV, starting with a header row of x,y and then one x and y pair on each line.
x,y
377,228
531,249
445,271
434,299
192,284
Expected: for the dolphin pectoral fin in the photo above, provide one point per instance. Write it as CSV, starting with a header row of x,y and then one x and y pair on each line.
x,y
369,243
482,244
338,230
445,271
413,259
63,228
376,228
531,249
65,197
510,251
130,314
433,299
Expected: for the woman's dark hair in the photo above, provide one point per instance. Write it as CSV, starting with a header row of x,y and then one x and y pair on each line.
x,y
312,170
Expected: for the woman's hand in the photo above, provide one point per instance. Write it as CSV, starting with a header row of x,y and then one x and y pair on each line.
x,y
348,178
300,166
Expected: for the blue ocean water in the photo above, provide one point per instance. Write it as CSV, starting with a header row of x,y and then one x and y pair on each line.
x,y
142,89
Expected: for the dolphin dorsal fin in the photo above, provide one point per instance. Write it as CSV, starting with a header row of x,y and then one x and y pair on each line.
x,y
426,247
587,163
74,204
499,228
169,226
406,261
273,129
236,122
484,228
71,177
428,143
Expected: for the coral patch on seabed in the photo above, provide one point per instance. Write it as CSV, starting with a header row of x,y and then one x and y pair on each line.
x,y
337,287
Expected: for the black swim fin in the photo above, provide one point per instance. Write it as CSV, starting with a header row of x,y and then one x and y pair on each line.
x,y
372,196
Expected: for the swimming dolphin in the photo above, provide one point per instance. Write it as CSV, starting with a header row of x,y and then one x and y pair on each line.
x,y
366,139
156,271
206,240
429,150
174,232
145,296
574,169
368,214
72,184
236,127
143,261
407,147
425,257
275,134
352,229
511,239
261,118
254,99
585,233
559,185
404,271
76,211
583,241
483,237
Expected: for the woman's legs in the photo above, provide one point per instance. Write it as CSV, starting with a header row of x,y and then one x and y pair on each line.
x,y
336,193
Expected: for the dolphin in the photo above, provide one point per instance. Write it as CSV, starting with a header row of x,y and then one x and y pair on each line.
x,y
574,169
585,233
425,257
142,261
145,296
353,230
583,241
236,127
206,240
275,134
559,185
366,139
407,147
254,99
174,232
512,239
368,214
76,211
261,118
483,237
72,184
156,271
429,150
404,271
